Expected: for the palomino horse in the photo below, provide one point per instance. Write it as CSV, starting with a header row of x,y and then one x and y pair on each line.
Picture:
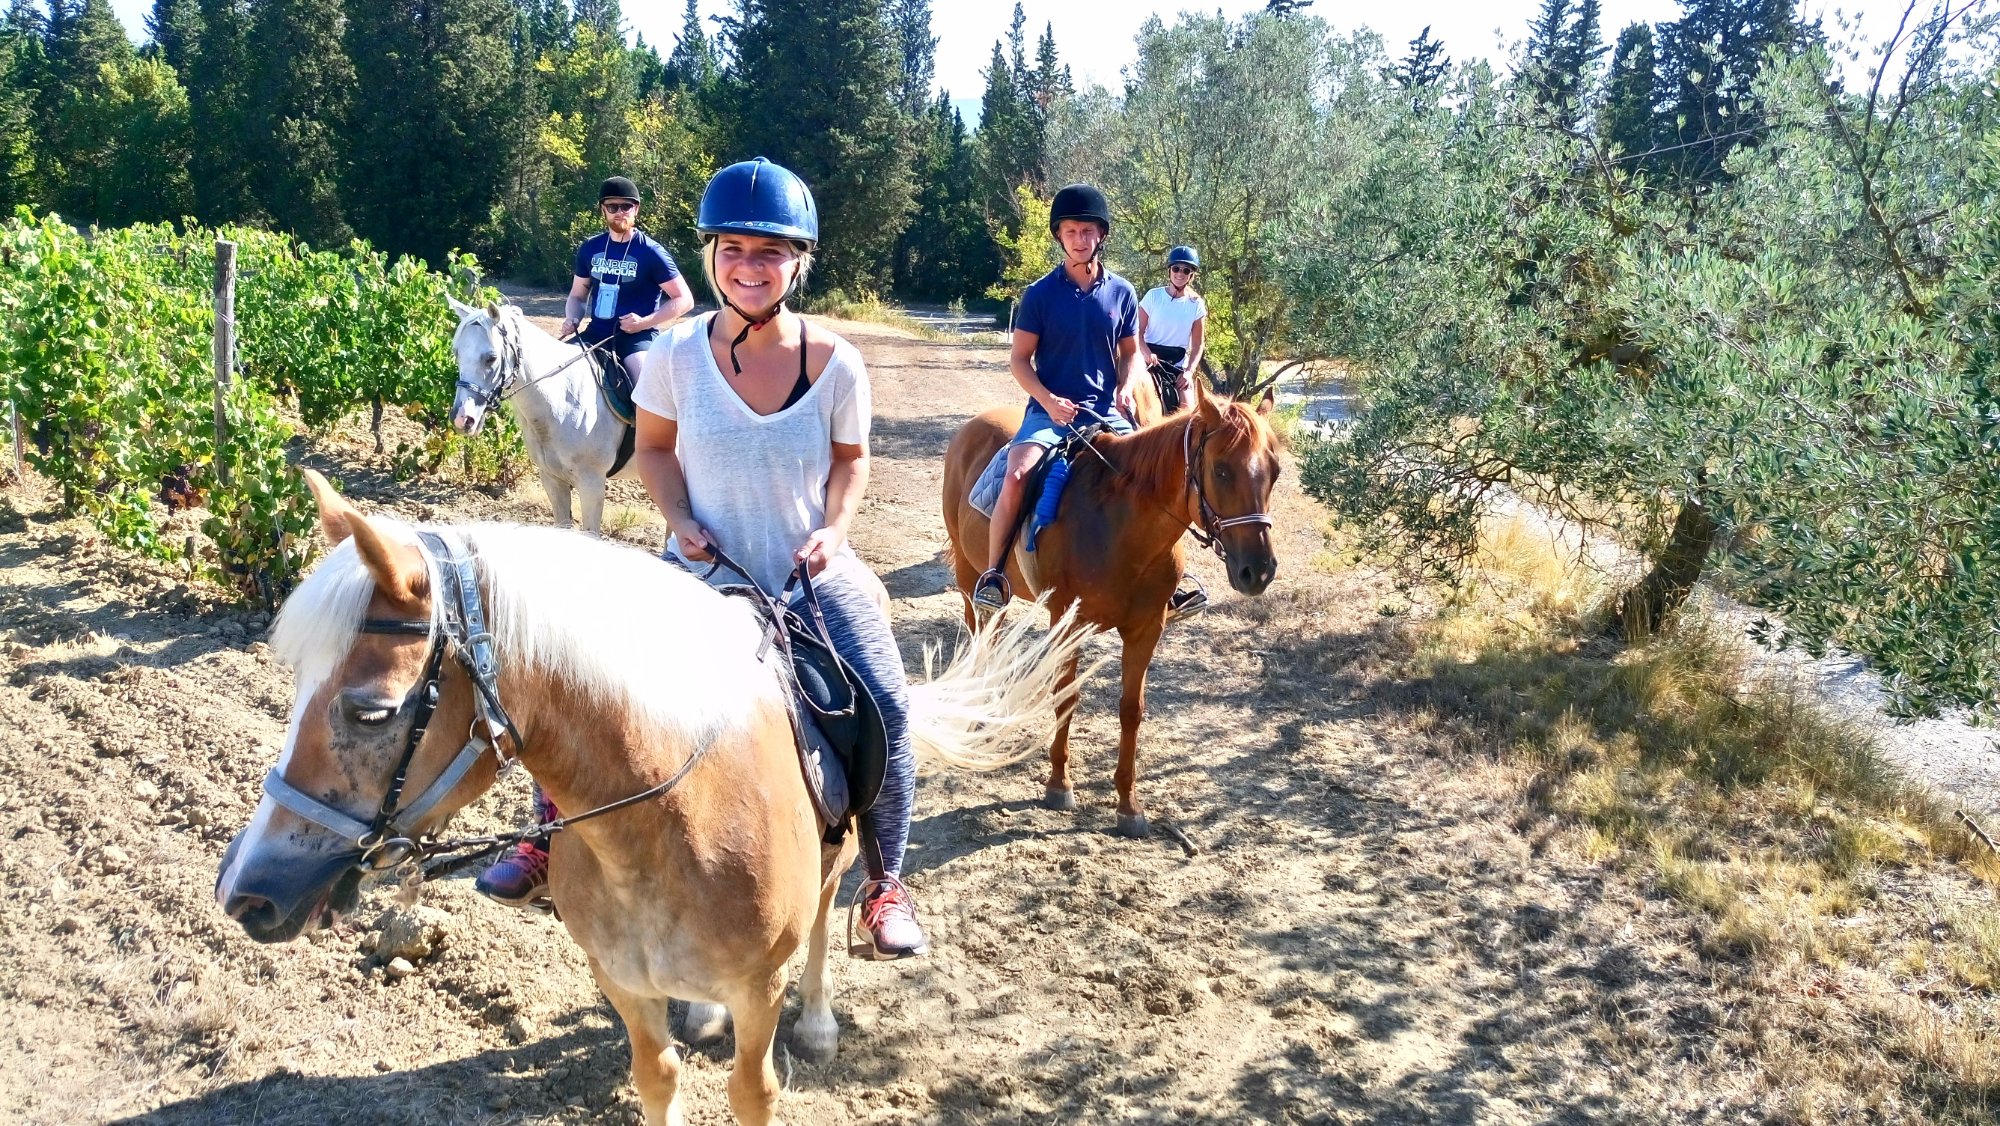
x,y
614,676
1115,553
572,437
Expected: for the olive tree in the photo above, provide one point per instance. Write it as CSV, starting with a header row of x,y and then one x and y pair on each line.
x,y
1223,127
1783,374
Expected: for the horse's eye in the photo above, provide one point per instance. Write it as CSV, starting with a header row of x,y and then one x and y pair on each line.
x,y
368,713
1222,473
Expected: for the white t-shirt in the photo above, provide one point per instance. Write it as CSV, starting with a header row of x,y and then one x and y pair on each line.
x,y
756,482
1169,319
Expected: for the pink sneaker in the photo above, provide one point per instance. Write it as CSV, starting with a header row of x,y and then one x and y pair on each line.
x,y
889,928
519,878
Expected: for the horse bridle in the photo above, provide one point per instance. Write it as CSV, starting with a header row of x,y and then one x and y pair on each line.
x,y
1209,535
390,838
509,355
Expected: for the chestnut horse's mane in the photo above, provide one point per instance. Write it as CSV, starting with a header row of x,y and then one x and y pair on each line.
x,y
1154,460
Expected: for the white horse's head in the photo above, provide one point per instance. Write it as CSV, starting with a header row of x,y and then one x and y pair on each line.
x,y
488,347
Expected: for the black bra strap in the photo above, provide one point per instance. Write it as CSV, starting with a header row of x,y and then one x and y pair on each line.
x,y
804,384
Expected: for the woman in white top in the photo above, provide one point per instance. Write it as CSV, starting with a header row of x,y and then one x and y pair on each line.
x,y
1173,322
752,436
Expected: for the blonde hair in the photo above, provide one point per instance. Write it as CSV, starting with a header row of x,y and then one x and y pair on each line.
x,y
801,253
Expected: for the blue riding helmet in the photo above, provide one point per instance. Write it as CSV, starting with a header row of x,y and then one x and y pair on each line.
x,y
1183,256
756,197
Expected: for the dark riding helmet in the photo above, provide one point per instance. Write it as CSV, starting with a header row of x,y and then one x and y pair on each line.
x,y
756,197
1183,256
618,187
1079,201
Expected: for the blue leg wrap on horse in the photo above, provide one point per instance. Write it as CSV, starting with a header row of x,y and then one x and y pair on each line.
x,y
861,633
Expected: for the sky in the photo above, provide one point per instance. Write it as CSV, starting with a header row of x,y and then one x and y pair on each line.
x,y
1095,37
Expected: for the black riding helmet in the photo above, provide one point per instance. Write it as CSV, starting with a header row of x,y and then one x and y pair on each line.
x,y
618,187
1079,201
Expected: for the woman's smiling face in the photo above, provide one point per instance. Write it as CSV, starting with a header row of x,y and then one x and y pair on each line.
x,y
755,273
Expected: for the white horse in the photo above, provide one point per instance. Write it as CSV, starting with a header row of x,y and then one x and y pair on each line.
x,y
572,437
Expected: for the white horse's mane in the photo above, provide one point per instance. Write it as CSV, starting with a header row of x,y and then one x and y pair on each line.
x,y
614,621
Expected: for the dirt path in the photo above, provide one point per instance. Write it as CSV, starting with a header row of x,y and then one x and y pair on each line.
x,y
1365,933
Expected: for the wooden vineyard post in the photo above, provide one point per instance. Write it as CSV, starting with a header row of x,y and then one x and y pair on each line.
x,y
225,346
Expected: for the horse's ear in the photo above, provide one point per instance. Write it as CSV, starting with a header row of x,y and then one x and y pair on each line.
x,y
460,308
334,511
1205,403
493,309
398,568
1268,405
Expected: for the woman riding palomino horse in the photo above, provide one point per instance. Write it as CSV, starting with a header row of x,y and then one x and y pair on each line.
x,y
771,460
753,437
694,862
1075,355
1173,326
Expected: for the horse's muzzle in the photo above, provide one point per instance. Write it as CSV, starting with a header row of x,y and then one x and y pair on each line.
x,y
278,902
1250,572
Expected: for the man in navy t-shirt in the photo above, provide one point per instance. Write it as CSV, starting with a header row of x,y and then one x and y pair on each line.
x,y
625,283
1075,353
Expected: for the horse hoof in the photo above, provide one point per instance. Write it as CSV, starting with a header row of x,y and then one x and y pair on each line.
x,y
1133,825
705,1024
1058,797
815,1041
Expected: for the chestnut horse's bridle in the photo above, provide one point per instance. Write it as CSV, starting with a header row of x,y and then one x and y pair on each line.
x,y
1209,535
1208,531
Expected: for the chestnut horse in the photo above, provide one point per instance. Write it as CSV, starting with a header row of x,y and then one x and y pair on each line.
x,y
1114,556
609,675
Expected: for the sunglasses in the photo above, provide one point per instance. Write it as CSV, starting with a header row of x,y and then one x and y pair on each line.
x,y
1180,269
618,208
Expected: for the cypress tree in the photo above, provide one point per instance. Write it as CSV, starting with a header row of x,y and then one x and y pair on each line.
x,y
23,64
815,83
1707,62
1544,50
910,23
548,23
299,96
435,122
1629,119
174,26
946,253
692,65
1424,65
1006,140
87,49
217,88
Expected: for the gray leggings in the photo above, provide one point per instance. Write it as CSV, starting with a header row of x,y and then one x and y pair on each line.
x,y
861,634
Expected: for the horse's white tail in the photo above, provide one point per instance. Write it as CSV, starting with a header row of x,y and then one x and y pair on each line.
x,y
995,702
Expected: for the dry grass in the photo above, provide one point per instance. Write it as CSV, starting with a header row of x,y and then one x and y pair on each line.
x,y
1854,915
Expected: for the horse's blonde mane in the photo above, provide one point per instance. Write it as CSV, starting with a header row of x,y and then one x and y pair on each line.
x,y
613,621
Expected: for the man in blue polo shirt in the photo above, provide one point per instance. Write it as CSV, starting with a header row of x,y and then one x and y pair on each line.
x,y
1075,353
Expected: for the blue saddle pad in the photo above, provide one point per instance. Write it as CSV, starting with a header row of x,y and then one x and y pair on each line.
x,y
1043,507
986,490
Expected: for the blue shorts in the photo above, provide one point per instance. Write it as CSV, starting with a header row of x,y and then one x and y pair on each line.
x,y
1037,428
623,343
